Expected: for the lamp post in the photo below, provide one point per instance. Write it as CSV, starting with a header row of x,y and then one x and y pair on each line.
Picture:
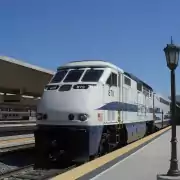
x,y
172,58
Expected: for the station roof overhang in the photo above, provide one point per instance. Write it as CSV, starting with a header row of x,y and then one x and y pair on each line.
x,y
17,77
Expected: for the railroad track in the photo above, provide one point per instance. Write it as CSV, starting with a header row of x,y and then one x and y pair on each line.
x,y
19,165
29,173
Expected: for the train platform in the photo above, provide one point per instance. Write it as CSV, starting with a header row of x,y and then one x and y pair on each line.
x,y
10,143
18,126
141,160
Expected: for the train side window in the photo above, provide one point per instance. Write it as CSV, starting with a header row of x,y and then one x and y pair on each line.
x,y
119,80
112,80
150,94
127,81
109,80
139,87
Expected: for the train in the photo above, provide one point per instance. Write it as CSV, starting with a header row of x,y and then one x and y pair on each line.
x,y
90,108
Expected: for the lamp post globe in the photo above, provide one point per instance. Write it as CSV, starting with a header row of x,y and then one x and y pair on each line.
x,y
172,58
172,55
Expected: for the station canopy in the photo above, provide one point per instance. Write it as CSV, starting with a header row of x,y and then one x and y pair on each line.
x,y
17,77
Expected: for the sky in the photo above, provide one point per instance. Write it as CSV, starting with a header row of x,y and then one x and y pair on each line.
x,y
131,34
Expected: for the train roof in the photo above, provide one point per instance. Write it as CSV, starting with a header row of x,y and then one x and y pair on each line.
x,y
102,63
91,63
137,80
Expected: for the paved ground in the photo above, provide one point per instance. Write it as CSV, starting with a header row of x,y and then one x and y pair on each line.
x,y
144,164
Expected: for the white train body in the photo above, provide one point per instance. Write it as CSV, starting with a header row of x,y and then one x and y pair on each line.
x,y
94,99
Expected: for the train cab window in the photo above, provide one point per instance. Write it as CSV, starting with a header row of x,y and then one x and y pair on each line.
x,y
74,75
112,80
127,81
59,76
92,75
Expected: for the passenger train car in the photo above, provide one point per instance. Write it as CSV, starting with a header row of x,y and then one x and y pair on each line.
x,y
162,111
10,112
92,107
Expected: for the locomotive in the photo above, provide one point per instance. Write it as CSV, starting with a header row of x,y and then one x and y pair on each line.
x,y
92,107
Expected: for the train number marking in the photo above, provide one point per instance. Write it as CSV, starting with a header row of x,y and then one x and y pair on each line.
x,y
110,93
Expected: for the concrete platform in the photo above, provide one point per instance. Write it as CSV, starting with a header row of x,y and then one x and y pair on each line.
x,y
145,163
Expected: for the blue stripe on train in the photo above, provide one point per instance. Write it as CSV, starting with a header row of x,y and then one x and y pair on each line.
x,y
121,106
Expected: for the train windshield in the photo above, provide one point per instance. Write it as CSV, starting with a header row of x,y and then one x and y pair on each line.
x,y
74,75
59,76
92,75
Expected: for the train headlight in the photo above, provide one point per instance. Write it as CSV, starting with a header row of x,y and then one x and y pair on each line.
x,y
39,116
83,117
71,117
45,116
